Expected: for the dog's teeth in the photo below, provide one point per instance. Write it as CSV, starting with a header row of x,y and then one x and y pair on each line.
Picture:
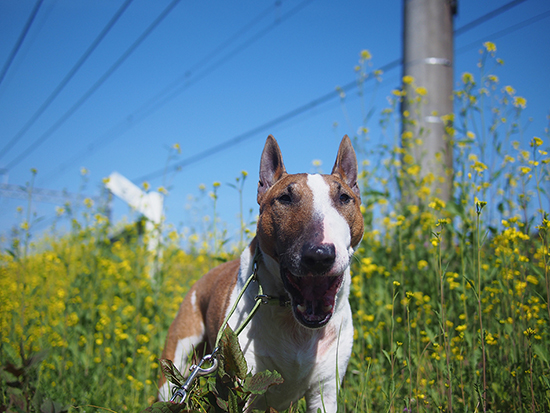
x,y
327,308
301,308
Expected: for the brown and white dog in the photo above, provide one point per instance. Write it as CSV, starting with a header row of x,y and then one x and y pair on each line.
x,y
308,228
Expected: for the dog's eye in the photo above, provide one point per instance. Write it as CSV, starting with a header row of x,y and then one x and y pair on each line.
x,y
285,199
345,198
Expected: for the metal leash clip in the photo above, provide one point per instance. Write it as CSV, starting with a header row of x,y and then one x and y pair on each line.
x,y
196,371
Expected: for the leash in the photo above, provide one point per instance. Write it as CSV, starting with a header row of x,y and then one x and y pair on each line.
x,y
261,298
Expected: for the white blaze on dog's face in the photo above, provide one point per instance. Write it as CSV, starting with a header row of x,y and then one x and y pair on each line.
x,y
310,225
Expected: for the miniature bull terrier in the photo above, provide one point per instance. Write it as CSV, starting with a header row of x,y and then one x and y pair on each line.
x,y
308,228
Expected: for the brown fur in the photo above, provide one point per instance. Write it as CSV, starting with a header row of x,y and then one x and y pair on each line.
x,y
215,292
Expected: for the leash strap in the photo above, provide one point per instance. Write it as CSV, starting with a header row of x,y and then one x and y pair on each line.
x,y
253,277
197,370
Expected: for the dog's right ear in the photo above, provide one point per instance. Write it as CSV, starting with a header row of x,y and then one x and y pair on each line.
x,y
271,166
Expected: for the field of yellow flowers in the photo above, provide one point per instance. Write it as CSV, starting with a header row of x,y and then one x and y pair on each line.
x,y
450,298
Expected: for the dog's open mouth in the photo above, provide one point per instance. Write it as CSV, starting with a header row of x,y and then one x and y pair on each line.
x,y
312,297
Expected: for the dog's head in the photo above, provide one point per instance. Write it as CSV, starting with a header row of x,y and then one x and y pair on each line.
x,y
310,225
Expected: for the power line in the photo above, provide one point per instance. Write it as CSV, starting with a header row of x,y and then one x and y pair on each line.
x,y
122,127
20,39
42,195
168,93
66,79
506,31
295,112
487,16
251,133
94,87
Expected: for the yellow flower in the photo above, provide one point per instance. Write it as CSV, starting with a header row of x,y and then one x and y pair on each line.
x,y
421,91
437,204
479,167
397,92
467,78
408,79
422,264
536,142
72,319
525,170
532,279
520,102
413,170
510,90
407,135
365,55
490,47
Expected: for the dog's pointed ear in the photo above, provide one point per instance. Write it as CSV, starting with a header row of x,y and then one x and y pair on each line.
x,y
346,165
271,166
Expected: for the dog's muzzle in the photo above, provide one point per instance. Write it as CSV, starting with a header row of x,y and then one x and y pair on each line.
x,y
313,297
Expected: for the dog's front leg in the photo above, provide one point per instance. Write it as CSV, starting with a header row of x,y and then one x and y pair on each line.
x,y
323,397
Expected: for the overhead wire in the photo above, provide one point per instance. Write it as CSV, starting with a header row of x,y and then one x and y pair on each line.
x,y
94,87
20,39
507,30
66,79
159,101
487,16
175,88
252,132
312,104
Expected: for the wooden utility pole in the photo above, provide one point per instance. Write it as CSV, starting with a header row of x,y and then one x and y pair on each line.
x,y
428,58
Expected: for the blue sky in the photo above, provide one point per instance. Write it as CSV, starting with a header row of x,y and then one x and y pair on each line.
x,y
294,52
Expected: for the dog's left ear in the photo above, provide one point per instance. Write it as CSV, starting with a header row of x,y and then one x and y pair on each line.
x,y
346,165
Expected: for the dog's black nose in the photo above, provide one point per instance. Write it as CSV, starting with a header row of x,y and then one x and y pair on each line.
x,y
318,259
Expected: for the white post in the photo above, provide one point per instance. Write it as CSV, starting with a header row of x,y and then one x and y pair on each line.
x,y
149,204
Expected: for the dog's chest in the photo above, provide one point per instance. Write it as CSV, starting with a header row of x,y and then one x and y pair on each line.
x,y
301,356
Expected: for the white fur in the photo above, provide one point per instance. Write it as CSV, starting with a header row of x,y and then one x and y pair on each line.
x,y
184,348
336,229
307,359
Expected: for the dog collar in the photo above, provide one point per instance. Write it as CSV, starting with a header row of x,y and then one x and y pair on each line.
x,y
281,300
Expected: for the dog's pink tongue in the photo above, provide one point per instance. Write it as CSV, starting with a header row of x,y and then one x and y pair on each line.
x,y
318,297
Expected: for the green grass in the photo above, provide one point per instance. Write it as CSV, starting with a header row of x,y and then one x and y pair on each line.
x,y
449,298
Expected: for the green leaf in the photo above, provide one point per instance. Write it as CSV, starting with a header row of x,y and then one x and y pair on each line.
x,y
50,406
233,405
171,372
260,382
166,407
36,359
387,355
234,362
